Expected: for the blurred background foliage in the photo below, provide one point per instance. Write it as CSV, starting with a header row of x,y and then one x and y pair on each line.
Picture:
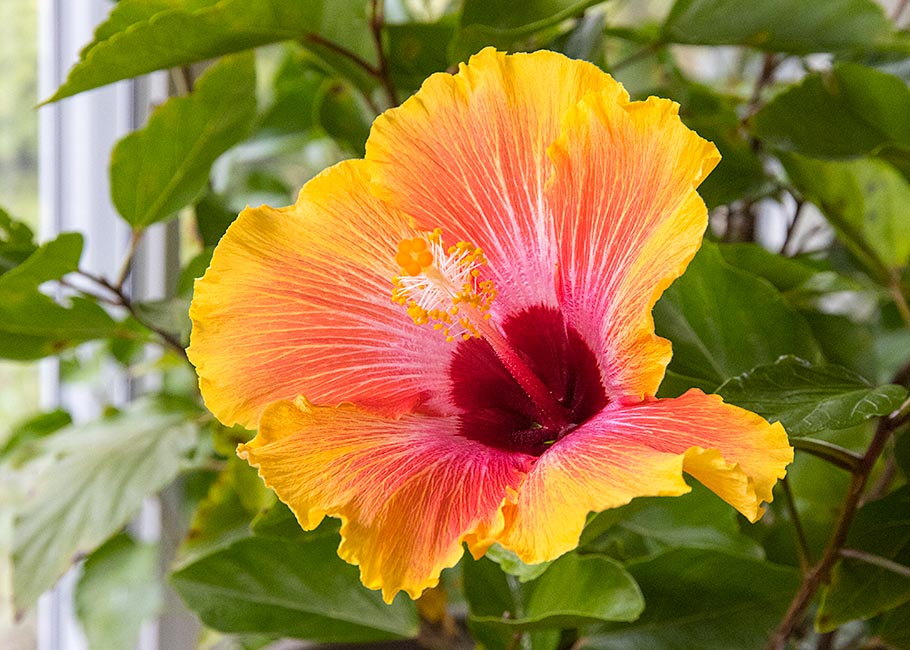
x,y
796,307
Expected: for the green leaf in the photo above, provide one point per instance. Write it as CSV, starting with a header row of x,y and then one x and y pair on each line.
x,y
859,589
224,515
89,481
130,12
203,30
213,216
170,315
780,25
344,115
16,242
865,200
816,289
34,428
32,325
417,50
575,590
724,321
279,521
312,100
291,588
164,166
586,39
785,273
702,599
51,261
653,525
846,342
807,398
497,23
802,280
194,270
512,564
863,106
117,592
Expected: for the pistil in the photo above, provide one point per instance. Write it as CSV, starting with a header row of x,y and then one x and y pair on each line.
x,y
442,287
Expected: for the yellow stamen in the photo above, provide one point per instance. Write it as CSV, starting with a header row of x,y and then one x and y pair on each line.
x,y
442,286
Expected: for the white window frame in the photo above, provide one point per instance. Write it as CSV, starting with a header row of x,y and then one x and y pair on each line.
x,y
76,137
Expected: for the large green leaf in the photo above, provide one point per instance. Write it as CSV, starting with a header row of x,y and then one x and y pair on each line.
x,y
164,166
575,590
290,587
32,325
807,398
130,12
702,599
499,23
88,482
866,108
865,200
780,25
859,589
136,41
118,591
650,526
724,321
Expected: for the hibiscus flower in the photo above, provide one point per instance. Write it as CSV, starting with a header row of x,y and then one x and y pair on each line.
x,y
450,341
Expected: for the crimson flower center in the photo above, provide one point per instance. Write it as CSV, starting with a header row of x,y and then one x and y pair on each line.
x,y
497,411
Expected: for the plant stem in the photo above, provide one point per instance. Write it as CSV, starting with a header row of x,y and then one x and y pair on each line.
x,y
381,71
802,545
124,273
899,299
827,451
876,560
651,48
343,51
820,573
377,20
769,65
791,228
121,299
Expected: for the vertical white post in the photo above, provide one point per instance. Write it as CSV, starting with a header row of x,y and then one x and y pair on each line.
x,y
76,137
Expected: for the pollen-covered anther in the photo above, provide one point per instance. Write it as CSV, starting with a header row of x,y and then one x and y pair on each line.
x,y
441,286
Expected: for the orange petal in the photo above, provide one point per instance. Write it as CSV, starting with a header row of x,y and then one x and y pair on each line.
x,y
642,450
297,301
408,490
467,153
628,222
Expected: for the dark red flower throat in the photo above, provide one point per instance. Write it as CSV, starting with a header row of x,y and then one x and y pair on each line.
x,y
497,411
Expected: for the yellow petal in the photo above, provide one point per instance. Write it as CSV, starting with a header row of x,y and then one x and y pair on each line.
x,y
628,221
643,450
409,491
297,301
